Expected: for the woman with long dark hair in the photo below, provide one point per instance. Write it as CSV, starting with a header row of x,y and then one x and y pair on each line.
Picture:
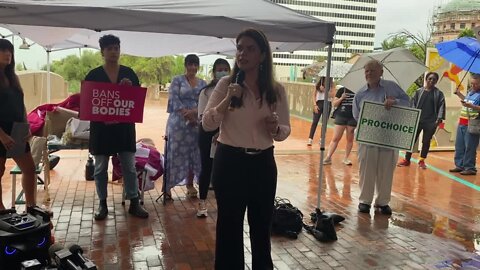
x,y
183,155
220,69
244,171
12,110
318,103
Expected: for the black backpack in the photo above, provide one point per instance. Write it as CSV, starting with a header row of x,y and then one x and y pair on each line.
x,y
287,219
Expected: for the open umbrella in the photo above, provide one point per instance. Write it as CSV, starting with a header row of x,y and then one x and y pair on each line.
x,y
338,70
399,65
463,52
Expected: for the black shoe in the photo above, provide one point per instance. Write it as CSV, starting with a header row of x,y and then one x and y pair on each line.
x,y
327,228
456,169
468,172
136,209
384,209
364,208
102,211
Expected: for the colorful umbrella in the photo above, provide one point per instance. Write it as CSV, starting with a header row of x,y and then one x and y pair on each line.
x,y
463,52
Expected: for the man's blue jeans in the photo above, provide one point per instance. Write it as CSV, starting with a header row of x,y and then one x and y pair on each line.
x,y
127,161
466,149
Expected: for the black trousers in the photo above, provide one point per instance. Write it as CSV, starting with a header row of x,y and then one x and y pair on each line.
x,y
428,132
204,143
316,117
242,182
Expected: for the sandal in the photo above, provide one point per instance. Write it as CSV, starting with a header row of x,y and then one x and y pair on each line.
x,y
191,191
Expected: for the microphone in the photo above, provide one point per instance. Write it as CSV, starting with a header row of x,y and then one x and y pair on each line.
x,y
236,102
62,257
85,263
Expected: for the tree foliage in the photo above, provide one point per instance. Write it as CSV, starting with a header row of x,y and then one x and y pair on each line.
x,y
394,42
159,70
467,32
417,44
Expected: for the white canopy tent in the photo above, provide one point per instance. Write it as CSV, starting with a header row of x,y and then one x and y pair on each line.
x,y
164,27
214,18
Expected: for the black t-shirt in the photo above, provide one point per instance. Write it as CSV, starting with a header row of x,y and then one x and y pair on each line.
x,y
428,109
345,108
112,138
11,105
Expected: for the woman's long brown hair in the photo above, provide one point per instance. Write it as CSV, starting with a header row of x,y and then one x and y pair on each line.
x,y
9,72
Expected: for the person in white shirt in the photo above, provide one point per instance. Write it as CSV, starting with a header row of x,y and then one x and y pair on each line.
x,y
319,103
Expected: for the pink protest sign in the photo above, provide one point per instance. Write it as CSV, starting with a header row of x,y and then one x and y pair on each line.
x,y
108,102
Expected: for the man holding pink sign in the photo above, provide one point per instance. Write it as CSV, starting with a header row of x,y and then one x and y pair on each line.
x,y
112,127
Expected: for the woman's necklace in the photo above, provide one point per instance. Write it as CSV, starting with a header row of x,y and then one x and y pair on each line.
x,y
191,82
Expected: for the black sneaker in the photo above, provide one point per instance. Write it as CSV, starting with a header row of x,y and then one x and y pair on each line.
x,y
468,172
384,209
456,169
102,213
136,209
364,208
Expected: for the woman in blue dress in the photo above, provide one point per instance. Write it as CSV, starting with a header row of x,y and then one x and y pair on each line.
x,y
182,152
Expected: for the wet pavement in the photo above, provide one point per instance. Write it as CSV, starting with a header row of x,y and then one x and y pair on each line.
x,y
435,222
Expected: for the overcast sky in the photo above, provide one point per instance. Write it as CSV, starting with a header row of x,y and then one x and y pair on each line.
x,y
392,16
412,15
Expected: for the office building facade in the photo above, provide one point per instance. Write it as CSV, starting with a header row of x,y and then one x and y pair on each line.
x,y
454,17
355,24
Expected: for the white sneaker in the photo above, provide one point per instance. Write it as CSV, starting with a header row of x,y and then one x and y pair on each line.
x,y
347,162
310,141
202,209
327,161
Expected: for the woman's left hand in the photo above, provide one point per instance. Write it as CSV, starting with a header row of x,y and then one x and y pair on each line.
x,y
190,115
272,123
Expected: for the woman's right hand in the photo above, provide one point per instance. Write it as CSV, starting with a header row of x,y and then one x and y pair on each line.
x,y
234,90
315,108
7,141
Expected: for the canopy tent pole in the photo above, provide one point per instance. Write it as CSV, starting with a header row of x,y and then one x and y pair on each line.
x,y
325,117
48,76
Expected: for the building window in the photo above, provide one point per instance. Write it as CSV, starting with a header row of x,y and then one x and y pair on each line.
x,y
473,25
462,25
452,26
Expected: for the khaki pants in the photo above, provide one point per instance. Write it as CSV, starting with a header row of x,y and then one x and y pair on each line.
x,y
377,165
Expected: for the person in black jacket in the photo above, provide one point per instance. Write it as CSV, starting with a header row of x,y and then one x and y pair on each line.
x,y
432,103
112,138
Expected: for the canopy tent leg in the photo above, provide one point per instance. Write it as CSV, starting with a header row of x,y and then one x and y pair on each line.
x,y
323,230
325,117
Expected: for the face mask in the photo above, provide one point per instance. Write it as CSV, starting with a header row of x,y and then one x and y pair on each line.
x,y
220,74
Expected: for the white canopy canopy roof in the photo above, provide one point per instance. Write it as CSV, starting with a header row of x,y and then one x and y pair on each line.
x,y
162,27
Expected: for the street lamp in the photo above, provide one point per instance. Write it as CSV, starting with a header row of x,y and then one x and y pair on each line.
x,y
25,45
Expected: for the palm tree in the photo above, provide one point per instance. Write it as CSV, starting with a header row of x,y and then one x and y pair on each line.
x,y
346,44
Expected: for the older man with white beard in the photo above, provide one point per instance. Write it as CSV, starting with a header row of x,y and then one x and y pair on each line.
x,y
377,164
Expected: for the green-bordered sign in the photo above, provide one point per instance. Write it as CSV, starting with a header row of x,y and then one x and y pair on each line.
x,y
394,128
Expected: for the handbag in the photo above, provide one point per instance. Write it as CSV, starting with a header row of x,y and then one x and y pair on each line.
x,y
334,113
473,124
